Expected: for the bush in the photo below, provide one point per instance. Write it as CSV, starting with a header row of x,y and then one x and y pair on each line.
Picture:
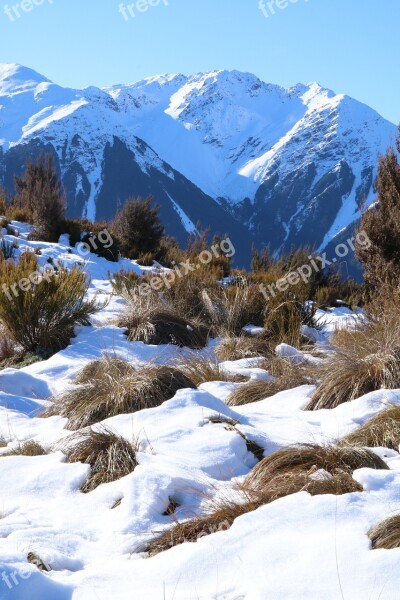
x,y
138,227
19,214
311,457
92,238
39,193
43,317
146,260
186,294
75,228
3,203
110,387
381,223
29,448
7,249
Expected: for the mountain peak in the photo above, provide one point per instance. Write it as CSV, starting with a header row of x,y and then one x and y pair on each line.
x,y
16,78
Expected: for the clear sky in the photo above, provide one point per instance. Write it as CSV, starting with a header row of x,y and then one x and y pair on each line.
x,y
350,46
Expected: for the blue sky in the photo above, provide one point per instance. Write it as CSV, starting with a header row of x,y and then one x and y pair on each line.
x,y
351,46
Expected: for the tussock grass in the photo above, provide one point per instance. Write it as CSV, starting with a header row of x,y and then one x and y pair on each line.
x,y
109,455
202,368
110,387
364,360
29,448
231,309
162,326
285,317
286,376
220,515
383,430
108,367
125,283
386,535
186,293
243,346
308,457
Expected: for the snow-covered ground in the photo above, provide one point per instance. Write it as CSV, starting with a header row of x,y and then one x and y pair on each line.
x,y
299,547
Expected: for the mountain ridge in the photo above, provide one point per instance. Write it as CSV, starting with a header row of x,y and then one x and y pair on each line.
x,y
280,166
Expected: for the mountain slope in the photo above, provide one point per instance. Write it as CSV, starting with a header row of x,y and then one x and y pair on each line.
x,y
224,148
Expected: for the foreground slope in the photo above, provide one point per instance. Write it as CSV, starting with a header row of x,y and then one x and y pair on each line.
x,y
294,548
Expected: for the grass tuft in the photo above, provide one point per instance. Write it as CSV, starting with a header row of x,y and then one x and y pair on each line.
x,y
286,375
220,515
363,360
386,535
29,448
110,387
243,346
162,326
202,368
109,455
306,458
383,430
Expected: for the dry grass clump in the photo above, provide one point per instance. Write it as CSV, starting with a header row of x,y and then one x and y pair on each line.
x,y
285,317
201,368
125,283
221,515
162,326
185,293
218,518
386,535
286,377
243,346
383,430
308,457
29,448
364,360
232,308
109,455
105,367
112,387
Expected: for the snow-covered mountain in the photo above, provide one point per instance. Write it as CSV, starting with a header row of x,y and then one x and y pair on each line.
x,y
223,148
